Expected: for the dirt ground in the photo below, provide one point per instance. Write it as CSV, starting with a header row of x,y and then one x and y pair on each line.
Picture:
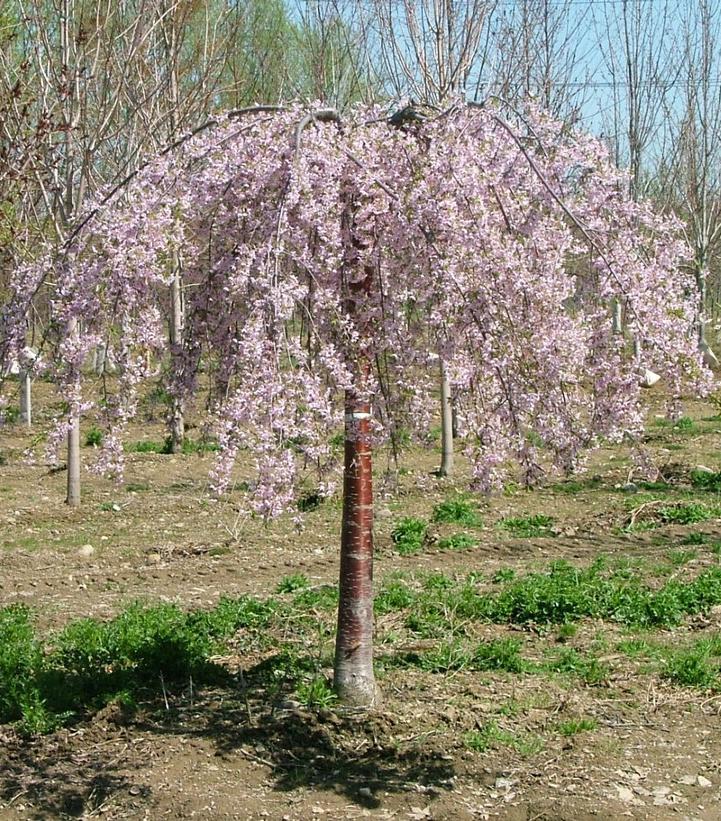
x,y
654,752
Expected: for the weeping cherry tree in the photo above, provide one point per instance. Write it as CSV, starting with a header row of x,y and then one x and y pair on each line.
x,y
330,263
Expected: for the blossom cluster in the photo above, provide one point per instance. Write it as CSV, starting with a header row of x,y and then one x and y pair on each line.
x,y
496,242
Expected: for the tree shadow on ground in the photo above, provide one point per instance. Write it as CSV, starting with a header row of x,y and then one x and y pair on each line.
x,y
359,755
52,779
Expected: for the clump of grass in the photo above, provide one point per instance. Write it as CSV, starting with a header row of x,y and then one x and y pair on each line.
x,y
490,735
500,654
573,486
574,726
590,670
94,437
393,595
459,510
566,631
22,662
147,446
683,425
409,535
678,558
293,582
448,656
188,445
655,512
9,415
310,500
324,597
316,694
89,663
638,648
565,593
165,447
686,513
695,539
458,541
703,480
529,527
694,666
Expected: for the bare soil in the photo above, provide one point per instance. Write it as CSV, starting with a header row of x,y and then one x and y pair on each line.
x,y
655,752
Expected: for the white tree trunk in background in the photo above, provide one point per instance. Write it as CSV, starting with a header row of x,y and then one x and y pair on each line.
x,y
446,424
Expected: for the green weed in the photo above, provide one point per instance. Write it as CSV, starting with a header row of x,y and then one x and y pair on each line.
x,y
447,657
93,438
695,539
574,726
409,535
459,510
686,513
289,584
458,541
528,527
590,670
678,558
324,597
147,446
703,480
316,694
500,654
693,666
393,595
490,735
573,486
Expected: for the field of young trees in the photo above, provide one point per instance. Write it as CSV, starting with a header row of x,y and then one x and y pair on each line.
x,y
358,415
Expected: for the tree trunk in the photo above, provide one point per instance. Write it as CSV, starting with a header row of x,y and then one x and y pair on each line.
x,y
617,317
354,679
446,424
26,398
177,422
702,287
73,495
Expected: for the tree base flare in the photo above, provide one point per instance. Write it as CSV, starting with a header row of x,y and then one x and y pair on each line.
x,y
358,691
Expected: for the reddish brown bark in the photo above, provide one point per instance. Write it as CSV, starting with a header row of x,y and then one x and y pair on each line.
x,y
354,680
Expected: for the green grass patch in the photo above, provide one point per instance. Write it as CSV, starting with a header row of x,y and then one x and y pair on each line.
x,y
500,654
458,510
686,513
91,663
94,437
573,486
574,726
565,593
289,584
703,480
147,446
457,541
490,736
528,527
695,666
395,594
409,535
589,669
316,694
324,597
678,558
